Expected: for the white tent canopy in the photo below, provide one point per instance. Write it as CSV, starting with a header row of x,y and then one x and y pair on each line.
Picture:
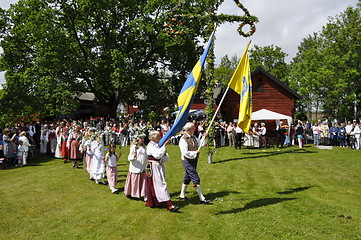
x,y
265,114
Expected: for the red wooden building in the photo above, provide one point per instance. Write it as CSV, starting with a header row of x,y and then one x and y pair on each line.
x,y
267,92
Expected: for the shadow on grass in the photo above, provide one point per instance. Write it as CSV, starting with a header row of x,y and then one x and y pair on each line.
x,y
256,204
195,200
294,190
250,155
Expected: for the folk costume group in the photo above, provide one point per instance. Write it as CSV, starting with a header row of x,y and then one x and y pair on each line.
x,y
146,177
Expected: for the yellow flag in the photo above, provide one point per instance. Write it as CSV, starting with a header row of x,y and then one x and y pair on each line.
x,y
241,83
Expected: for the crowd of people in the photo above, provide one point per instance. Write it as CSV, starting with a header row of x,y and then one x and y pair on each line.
x,y
95,145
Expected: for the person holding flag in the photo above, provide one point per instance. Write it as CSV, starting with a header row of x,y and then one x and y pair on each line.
x,y
188,145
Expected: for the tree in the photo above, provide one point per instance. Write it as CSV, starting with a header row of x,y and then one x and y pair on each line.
x,y
326,70
270,58
118,50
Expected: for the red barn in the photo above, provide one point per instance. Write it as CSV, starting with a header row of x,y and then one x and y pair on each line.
x,y
267,92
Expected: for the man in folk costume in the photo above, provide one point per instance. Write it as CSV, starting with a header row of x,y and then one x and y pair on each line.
x,y
188,145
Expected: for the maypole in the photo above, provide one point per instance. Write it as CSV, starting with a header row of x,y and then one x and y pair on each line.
x,y
176,27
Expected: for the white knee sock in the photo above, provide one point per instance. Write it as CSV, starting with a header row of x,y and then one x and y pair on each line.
x,y
183,191
199,191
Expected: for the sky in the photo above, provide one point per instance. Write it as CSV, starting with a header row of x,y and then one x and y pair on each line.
x,y
282,23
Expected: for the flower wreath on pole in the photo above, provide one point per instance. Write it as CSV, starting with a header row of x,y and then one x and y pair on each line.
x,y
246,21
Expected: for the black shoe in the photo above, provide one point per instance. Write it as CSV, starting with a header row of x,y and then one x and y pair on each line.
x,y
183,198
206,201
174,208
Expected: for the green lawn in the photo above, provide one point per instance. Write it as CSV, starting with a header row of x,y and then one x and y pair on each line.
x,y
256,194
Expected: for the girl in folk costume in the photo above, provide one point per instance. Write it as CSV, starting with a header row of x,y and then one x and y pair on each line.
x,y
87,140
44,139
52,139
135,184
157,191
26,145
111,160
97,163
58,131
64,148
73,143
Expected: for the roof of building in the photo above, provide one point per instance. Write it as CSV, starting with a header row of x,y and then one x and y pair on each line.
x,y
260,69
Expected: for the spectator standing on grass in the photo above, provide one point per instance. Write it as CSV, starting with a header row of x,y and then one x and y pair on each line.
x,y
44,139
316,134
349,129
26,145
231,135
262,136
333,135
342,135
300,133
324,133
239,133
357,132
280,134
135,184
9,148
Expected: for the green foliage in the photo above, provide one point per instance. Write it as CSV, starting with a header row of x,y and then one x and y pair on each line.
x,y
327,70
118,50
270,58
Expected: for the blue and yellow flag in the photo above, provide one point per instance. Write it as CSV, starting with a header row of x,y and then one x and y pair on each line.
x,y
241,83
186,96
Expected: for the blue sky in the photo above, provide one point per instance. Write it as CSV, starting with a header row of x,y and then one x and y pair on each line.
x,y
283,23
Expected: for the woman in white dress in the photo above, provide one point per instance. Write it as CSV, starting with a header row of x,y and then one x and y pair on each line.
x,y
97,162
44,139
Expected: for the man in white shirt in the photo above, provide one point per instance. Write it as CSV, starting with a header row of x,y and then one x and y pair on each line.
x,y
188,145
349,128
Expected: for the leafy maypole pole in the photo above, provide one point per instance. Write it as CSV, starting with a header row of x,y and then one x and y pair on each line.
x,y
246,19
177,26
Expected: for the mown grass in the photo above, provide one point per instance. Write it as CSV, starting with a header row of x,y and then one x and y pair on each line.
x,y
285,193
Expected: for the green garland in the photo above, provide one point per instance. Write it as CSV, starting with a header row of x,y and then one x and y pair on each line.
x,y
246,21
176,23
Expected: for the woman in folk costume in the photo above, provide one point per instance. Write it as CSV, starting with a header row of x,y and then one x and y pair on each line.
x,y
52,139
58,131
73,143
64,148
135,184
86,143
157,191
97,162
111,160
25,145
44,139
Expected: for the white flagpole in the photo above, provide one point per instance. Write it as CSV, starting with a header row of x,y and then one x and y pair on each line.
x,y
214,116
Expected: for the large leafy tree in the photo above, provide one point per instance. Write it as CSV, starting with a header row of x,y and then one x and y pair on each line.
x,y
272,59
327,68
118,50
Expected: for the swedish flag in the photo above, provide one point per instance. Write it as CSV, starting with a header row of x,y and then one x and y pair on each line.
x,y
186,96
